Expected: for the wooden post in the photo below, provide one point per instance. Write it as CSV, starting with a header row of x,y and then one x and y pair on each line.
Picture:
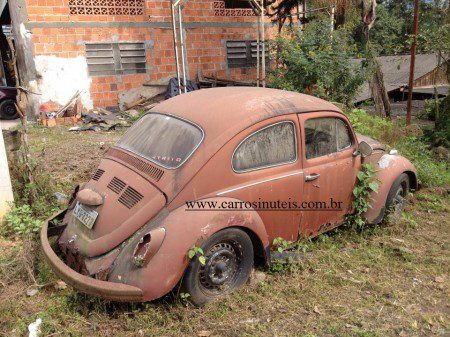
x,y
412,62
6,193
23,41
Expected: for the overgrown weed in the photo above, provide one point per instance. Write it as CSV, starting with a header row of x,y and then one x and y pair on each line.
x,y
408,141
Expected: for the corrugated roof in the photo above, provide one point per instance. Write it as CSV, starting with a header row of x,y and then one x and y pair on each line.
x,y
396,71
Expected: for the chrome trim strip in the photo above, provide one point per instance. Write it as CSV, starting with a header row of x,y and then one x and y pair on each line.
x,y
258,182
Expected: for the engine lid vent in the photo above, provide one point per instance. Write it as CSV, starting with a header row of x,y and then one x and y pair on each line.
x,y
143,166
130,197
96,176
116,185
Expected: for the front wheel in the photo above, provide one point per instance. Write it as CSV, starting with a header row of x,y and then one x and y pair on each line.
x,y
396,199
228,264
8,110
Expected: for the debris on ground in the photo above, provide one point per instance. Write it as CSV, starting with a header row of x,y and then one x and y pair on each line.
x,y
100,119
215,81
53,113
141,97
33,290
61,198
34,328
60,285
172,87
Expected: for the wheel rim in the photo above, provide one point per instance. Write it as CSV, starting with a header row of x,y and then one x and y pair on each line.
x,y
9,110
223,261
398,202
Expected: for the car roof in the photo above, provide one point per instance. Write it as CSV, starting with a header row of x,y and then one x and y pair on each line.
x,y
233,109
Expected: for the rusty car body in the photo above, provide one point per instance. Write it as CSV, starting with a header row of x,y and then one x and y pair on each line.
x,y
128,235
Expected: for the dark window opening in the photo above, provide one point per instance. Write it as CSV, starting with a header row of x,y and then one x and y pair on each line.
x,y
242,54
238,4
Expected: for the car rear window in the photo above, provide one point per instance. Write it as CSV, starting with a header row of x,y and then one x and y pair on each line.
x,y
165,140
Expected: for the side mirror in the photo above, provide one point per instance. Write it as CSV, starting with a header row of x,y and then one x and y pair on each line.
x,y
364,149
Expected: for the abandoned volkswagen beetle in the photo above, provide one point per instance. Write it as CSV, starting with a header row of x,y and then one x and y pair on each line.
x,y
226,170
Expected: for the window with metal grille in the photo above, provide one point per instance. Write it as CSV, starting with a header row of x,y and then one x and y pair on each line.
x,y
241,54
115,58
106,7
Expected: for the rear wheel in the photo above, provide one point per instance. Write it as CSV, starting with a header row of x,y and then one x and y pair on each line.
x,y
8,110
228,264
396,199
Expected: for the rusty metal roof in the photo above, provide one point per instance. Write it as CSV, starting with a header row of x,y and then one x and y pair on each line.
x,y
223,112
395,69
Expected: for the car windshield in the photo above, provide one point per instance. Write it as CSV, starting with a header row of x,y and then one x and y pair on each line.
x,y
165,140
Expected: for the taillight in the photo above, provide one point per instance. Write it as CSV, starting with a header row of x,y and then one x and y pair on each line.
x,y
148,246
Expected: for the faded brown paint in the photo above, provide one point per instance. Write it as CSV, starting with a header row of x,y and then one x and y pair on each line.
x,y
118,259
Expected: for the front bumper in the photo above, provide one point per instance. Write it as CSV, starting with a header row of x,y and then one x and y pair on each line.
x,y
104,289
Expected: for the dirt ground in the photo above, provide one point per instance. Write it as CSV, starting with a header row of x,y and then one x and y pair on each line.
x,y
389,280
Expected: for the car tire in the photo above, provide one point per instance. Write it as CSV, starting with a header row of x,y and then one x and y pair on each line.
x,y
8,110
229,262
397,197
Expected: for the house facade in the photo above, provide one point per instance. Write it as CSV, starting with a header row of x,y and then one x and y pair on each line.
x,y
102,47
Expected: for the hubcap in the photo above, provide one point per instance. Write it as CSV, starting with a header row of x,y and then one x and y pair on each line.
x,y
398,203
221,267
10,110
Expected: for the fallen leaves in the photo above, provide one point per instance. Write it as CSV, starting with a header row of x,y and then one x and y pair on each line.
x,y
60,285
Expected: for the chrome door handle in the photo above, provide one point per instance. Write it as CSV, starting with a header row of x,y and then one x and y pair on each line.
x,y
312,177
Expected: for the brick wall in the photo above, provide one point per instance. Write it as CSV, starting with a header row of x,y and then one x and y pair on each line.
x,y
60,30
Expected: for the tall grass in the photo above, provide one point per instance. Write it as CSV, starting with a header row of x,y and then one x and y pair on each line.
x,y
431,170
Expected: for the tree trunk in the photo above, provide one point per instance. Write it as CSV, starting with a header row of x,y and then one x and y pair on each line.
x,y
23,41
379,93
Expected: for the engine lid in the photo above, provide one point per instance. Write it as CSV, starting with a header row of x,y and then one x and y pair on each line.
x,y
128,201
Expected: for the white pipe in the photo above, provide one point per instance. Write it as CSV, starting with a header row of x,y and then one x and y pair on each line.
x,y
263,66
175,46
6,193
183,49
257,52
332,19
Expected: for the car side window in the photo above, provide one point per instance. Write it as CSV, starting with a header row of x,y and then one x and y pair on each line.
x,y
325,136
270,146
344,137
320,137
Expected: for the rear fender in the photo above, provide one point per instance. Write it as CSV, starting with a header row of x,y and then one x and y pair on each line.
x,y
388,167
184,229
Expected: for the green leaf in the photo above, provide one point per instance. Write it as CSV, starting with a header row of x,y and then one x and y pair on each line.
x,y
202,260
200,251
373,186
361,175
191,254
280,249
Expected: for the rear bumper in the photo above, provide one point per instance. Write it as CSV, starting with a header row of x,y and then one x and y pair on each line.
x,y
104,289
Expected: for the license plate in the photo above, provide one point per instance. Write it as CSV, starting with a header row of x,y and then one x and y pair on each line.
x,y
87,217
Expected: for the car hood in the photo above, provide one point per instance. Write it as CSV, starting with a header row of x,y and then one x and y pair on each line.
x,y
376,145
124,200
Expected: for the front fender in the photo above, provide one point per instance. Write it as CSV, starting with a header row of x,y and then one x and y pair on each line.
x,y
387,168
184,228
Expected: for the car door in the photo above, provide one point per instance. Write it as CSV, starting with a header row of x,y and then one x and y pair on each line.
x,y
267,172
330,170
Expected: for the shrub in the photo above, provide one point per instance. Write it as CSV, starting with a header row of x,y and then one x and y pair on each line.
x,y
431,172
20,220
317,63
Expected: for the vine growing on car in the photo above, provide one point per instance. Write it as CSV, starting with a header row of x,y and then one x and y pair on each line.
x,y
365,185
197,251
